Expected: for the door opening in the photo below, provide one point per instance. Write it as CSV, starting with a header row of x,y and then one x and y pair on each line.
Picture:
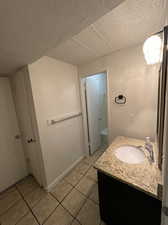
x,y
96,111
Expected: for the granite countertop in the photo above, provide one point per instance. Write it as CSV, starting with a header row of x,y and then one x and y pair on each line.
x,y
143,176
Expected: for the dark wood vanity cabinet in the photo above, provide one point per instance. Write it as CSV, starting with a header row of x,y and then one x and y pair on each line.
x,y
121,204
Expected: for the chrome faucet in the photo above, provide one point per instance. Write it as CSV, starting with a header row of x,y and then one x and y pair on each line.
x,y
151,153
149,148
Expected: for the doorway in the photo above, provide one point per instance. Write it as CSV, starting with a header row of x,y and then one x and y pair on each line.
x,y
21,89
95,109
12,162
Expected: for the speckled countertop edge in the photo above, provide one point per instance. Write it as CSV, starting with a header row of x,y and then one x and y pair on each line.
x,y
143,176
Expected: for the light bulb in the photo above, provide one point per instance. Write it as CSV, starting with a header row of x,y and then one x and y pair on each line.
x,y
152,49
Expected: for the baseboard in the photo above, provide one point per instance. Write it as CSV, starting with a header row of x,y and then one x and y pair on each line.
x,y
50,186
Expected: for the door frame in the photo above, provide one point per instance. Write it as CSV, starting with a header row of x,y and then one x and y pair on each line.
x,y
14,162
84,109
165,140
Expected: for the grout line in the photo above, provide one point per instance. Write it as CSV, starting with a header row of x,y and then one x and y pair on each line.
x,y
39,200
54,197
63,197
28,206
30,191
68,211
80,210
10,208
74,185
51,212
75,217
13,204
60,203
75,221
7,191
87,197
82,207
22,197
78,221
22,217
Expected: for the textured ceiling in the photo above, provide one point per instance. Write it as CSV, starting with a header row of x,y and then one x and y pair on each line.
x,y
127,25
28,28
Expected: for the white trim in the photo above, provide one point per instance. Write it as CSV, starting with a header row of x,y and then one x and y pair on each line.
x,y
50,186
108,108
165,162
85,127
83,103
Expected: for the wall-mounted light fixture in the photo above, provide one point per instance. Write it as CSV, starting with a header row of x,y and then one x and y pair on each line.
x,y
152,49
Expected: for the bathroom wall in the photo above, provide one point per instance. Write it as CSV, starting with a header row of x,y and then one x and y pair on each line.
x,y
55,91
128,74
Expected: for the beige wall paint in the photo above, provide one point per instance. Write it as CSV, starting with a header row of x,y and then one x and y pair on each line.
x,y
55,91
128,74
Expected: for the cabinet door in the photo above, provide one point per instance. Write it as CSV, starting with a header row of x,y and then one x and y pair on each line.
x,y
121,204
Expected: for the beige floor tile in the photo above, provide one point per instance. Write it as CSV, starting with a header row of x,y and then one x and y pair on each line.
x,y
93,158
92,173
82,167
89,214
61,190
28,220
14,214
45,207
75,222
60,217
85,185
27,185
74,201
8,199
97,154
34,197
13,209
89,160
7,191
73,177
77,173
94,196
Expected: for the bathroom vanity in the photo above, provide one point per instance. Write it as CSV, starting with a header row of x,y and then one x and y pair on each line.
x,y
129,194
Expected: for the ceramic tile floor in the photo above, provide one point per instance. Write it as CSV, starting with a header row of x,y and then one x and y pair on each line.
x,y
73,201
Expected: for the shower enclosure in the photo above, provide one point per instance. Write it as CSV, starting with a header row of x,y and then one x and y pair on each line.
x,y
95,96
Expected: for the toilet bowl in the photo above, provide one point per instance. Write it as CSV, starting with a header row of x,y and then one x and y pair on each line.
x,y
104,132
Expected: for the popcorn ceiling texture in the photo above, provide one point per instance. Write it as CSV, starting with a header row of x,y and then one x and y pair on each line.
x,y
30,28
127,25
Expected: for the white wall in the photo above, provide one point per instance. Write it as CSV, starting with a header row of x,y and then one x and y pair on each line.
x,y
129,75
55,91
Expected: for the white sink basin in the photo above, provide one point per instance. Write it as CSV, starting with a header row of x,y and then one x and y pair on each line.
x,y
130,154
